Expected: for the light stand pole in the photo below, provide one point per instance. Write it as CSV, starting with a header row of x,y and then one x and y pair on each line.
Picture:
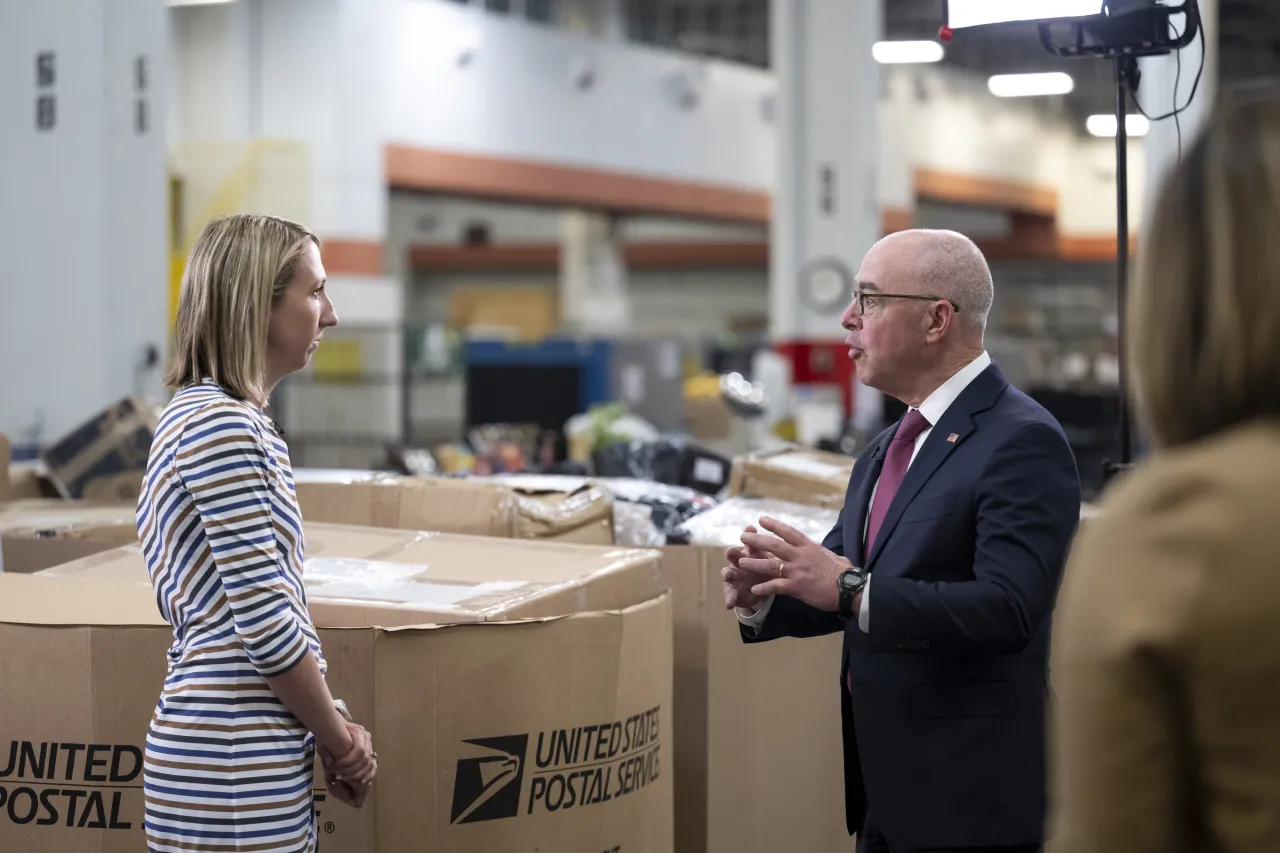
x,y
1127,77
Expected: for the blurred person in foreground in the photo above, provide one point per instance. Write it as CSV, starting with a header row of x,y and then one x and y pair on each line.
x,y
941,572
1166,660
230,753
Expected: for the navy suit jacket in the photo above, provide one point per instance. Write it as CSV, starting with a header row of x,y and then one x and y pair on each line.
x,y
944,731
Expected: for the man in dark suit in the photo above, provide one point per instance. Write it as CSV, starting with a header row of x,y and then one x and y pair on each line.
x,y
941,573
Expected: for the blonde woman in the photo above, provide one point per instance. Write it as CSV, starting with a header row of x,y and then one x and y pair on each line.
x,y
232,744
1166,657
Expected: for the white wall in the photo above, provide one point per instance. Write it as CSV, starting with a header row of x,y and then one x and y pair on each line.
x,y
135,215
1087,204
83,285
1171,80
949,122
515,98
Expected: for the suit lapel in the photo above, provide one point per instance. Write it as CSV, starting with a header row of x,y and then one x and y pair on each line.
x,y
957,421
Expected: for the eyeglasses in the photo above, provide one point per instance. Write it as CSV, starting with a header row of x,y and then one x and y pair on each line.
x,y
860,297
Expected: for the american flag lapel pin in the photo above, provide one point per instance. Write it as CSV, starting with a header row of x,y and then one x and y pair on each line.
x,y
953,438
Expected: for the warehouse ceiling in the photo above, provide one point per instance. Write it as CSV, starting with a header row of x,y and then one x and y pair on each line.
x,y
1013,49
737,30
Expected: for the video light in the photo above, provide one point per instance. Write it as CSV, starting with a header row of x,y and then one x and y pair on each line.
x,y
980,13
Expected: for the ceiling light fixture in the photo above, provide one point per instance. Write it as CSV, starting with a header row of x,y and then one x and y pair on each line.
x,y
1031,85
1104,126
979,13
906,52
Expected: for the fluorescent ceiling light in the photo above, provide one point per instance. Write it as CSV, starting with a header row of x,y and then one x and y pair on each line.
x,y
1030,85
906,52
1105,125
195,2
977,13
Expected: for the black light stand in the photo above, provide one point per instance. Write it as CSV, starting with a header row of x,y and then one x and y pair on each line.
x,y
1123,39
1127,78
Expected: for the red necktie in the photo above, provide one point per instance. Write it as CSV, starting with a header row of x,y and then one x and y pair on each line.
x,y
896,462
895,469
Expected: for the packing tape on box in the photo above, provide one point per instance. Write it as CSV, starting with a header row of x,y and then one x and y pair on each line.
x,y
436,596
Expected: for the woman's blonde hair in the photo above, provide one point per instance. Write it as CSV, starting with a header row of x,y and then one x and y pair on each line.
x,y
239,267
1204,317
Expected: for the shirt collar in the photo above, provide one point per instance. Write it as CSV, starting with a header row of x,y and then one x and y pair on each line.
x,y
937,403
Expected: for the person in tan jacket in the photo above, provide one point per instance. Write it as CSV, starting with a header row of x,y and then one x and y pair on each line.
x,y
1166,649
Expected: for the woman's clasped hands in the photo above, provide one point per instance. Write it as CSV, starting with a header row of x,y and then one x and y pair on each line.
x,y
349,776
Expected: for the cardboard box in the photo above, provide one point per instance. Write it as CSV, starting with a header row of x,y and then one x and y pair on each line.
x,y
708,417
37,534
759,765
758,761
583,515
28,480
360,576
551,733
105,459
796,474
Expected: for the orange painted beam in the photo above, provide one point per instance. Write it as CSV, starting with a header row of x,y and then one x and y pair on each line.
x,y
352,257
985,192
545,257
473,175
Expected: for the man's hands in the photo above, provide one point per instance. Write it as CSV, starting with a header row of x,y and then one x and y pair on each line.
x,y
350,776
787,563
739,581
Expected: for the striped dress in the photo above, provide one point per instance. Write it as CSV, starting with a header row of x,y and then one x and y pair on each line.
x,y
227,766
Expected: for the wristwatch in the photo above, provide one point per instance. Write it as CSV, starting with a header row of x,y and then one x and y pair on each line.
x,y
850,583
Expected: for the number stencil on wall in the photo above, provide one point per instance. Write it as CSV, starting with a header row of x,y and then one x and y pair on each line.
x,y
46,103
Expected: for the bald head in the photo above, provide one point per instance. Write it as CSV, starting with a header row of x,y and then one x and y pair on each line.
x,y
946,265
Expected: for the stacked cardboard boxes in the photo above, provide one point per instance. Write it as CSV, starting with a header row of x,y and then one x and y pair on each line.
x,y
582,514
519,694
39,533
756,729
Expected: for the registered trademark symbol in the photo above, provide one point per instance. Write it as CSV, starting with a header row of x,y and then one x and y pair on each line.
x,y
329,828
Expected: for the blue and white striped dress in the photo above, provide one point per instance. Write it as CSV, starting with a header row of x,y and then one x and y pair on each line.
x,y
227,766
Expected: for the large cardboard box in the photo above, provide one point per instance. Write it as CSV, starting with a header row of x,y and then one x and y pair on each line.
x,y
583,515
37,534
551,733
798,474
361,576
758,753
105,458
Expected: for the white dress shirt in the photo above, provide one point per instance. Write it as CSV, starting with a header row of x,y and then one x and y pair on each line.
x,y
933,408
